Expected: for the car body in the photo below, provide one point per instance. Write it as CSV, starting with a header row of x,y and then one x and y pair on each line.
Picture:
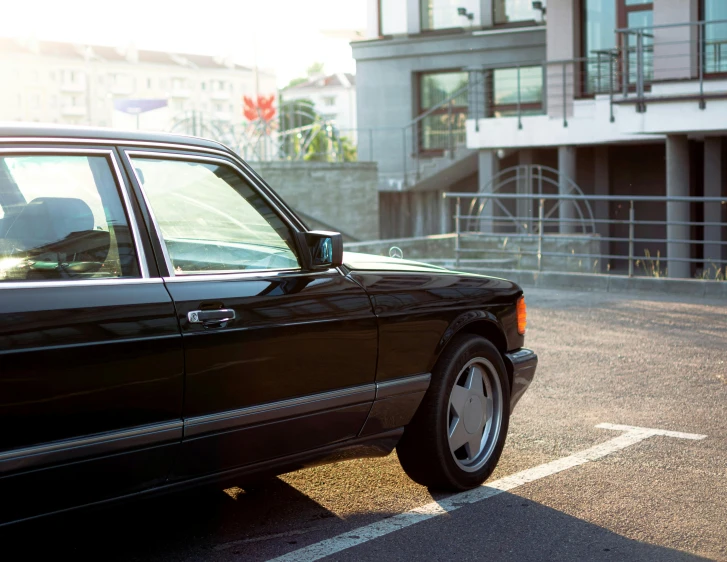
x,y
167,321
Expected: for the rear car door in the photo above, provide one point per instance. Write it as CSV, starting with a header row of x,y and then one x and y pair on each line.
x,y
279,360
91,359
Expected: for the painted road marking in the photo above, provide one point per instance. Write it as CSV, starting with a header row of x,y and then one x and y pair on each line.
x,y
355,537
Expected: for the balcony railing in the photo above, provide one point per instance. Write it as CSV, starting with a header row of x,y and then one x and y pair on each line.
x,y
693,51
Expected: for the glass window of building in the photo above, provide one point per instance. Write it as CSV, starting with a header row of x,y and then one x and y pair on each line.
x,y
714,12
449,14
509,11
392,17
513,90
443,101
601,18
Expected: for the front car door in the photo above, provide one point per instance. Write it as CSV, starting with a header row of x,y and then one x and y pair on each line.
x,y
91,360
279,360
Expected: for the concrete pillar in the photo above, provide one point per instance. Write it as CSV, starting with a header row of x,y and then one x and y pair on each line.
x,y
445,218
524,207
566,175
413,17
486,13
372,19
602,186
713,212
677,185
488,166
419,212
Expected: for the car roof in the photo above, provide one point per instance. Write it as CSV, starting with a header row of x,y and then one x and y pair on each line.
x,y
35,130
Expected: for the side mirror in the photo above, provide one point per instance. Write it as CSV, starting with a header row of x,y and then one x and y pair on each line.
x,y
321,250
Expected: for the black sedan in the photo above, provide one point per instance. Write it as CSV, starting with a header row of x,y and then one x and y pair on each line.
x,y
167,321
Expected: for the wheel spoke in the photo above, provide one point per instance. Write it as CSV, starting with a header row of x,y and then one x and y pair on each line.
x,y
473,444
458,399
457,434
474,381
489,409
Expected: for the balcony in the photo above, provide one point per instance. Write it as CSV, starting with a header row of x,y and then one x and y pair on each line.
x,y
77,87
660,80
220,95
121,89
181,92
73,110
222,116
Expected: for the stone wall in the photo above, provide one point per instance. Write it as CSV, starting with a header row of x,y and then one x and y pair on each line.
x,y
341,196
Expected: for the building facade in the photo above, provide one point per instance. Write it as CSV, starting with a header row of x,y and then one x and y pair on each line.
x,y
624,98
55,82
412,74
333,97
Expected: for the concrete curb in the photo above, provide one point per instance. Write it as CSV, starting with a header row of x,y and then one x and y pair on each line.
x,y
610,283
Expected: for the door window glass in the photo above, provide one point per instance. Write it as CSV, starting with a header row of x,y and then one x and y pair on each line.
x,y
61,218
212,220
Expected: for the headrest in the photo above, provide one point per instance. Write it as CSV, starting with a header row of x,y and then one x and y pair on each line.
x,y
50,219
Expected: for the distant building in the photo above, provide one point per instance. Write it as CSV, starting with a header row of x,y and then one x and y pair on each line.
x,y
78,84
333,97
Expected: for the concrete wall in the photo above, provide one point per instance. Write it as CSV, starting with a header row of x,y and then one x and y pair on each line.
x,y
675,48
341,196
386,79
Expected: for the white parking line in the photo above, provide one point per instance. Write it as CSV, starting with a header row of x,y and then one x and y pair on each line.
x,y
366,533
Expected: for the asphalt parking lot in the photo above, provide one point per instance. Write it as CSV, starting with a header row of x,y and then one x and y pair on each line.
x,y
565,489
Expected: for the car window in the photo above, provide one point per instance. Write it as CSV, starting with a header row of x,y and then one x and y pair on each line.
x,y
62,219
212,220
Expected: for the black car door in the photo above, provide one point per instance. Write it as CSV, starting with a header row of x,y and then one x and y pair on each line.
x,y
91,359
278,359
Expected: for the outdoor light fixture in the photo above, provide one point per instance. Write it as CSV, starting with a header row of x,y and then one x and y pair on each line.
x,y
464,13
538,5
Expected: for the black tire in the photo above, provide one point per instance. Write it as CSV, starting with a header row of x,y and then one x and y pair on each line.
x,y
424,450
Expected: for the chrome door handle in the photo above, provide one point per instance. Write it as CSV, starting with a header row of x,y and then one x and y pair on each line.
x,y
218,316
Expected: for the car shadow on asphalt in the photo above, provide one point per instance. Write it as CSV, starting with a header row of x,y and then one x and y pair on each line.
x,y
186,525
508,527
272,518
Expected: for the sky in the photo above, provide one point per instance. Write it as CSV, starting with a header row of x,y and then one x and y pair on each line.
x,y
284,35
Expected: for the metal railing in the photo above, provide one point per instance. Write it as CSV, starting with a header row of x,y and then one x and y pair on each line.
x,y
683,51
629,234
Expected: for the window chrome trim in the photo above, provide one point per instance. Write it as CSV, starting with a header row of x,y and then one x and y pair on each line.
x,y
121,186
113,142
81,282
243,275
275,411
130,153
92,445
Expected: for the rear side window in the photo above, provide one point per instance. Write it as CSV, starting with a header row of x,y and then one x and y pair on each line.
x,y
61,218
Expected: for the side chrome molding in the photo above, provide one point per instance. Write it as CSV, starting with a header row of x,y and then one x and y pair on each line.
x,y
89,446
404,385
274,411
100,444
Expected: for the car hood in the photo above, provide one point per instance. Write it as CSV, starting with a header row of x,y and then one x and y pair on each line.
x,y
369,262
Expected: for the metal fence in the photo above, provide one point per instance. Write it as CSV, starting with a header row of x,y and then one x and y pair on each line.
x,y
655,236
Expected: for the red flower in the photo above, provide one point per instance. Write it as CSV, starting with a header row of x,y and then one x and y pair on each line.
x,y
261,109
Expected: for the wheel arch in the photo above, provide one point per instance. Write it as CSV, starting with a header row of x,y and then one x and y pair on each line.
x,y
478,323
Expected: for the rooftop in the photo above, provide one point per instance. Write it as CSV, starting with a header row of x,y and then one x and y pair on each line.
x,y
339,79
82,51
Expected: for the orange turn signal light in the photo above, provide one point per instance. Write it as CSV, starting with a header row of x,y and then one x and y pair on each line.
x,y
522,316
